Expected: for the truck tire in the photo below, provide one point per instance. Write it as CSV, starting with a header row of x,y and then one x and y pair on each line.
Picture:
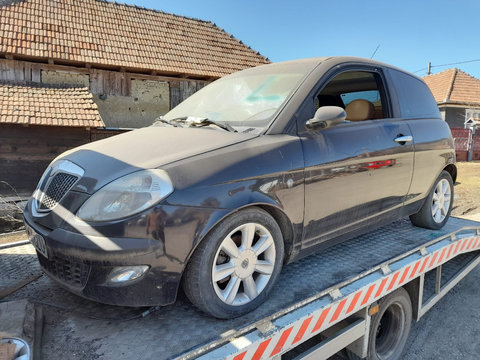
x,y
437,206
234,268
389,328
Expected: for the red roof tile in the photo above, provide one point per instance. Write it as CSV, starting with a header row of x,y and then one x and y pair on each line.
x,y
105,33
35,104
454,86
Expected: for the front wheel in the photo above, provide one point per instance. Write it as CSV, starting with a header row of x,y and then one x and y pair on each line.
x,y
234,268
438,204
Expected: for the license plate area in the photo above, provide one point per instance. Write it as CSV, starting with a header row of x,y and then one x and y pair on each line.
x,y
37,240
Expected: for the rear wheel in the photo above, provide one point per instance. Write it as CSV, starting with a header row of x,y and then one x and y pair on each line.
x,y
389,327
438,204
234,268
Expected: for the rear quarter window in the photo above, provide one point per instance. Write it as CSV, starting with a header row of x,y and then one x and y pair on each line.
x,y
415,98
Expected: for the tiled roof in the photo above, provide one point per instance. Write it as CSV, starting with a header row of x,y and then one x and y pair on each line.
x,y
35,104
104,33
453,86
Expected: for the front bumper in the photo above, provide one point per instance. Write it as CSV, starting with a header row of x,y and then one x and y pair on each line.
x,y
81,262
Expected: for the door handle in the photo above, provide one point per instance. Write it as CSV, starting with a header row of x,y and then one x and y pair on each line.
x,y
402,139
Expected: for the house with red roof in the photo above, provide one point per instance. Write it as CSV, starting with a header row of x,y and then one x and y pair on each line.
x,y
70,68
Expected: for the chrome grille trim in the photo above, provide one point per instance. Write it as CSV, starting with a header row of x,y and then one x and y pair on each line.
x,y
58,179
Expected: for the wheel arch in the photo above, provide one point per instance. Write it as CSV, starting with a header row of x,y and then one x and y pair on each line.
x,y
452,170
283,221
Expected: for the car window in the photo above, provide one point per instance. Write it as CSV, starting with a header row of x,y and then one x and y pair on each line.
x,y
415,98
354,88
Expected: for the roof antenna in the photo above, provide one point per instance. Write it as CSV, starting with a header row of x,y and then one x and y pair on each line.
x,y
429,68
371,57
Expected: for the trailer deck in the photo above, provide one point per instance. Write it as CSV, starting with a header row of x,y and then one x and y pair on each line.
x,y
180,330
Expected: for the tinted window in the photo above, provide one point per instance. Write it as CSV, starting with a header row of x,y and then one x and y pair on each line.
x,y
348,86
414,96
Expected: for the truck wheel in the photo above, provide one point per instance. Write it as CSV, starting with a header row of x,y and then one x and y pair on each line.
x,y
234,268
389,327
438,204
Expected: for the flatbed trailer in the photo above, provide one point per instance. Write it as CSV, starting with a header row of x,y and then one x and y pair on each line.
x,y
320,305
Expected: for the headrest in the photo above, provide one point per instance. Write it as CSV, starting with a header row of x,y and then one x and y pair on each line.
x,y
359,110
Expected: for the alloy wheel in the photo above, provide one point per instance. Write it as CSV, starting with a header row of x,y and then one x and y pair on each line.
x,y
441,201
243,264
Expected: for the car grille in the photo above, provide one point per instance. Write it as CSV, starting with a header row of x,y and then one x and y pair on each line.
x,y
72,272
57,188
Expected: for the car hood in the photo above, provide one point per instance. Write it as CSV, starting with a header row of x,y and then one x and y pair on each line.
x,y
151,147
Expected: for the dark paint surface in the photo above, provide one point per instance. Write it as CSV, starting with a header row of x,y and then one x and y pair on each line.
x,y
321,186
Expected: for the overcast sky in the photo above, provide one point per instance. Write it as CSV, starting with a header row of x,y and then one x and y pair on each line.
x,y
409,33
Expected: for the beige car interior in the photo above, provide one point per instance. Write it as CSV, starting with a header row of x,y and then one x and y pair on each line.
x,y
360,110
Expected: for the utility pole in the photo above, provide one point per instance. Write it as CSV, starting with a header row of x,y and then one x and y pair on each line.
x,y
429,68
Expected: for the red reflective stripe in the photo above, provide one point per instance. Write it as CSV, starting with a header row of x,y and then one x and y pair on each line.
x,y
261,349
321,319
281,341
380,289
471,243
354,302
404,275
424,264
434,257
338,311
240,356
477,243
367,296
441,256
392,283
302,330
415,268
464,243
457,247
450,248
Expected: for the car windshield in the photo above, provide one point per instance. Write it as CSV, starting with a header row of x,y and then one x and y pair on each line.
x,y
247,101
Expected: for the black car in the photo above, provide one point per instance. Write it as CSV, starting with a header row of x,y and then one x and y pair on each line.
x,y
255,170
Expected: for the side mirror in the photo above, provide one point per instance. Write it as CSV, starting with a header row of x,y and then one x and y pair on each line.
x,y
327,116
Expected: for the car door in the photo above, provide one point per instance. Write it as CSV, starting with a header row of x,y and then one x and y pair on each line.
x,y
356,173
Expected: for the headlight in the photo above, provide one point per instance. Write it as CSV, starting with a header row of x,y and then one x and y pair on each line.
x,y
126,196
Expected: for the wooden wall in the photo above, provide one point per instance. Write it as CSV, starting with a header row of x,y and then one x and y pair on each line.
x,y
25,152
102,82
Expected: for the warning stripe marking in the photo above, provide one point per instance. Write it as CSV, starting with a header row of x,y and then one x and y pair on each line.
x,y
281,342
369,292
354,302
392,283
415,268
261,349
434,257
339,310
240,356
404,275
321,319
302,330
380,288
419,267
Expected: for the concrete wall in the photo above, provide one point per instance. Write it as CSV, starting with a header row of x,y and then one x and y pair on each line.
x,y
64,77
148,100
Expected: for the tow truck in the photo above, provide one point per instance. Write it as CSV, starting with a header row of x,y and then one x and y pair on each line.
x,y
360,295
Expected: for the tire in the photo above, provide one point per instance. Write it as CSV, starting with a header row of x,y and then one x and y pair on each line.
x,y
389,328
440,195
251,265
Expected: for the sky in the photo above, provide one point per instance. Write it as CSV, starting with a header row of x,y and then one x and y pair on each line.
x,y
408,34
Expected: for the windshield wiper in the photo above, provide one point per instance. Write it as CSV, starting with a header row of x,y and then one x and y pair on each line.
x,y
164,121
199,121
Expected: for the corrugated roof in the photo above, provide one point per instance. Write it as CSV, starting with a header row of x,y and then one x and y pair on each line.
x,y
36,104
454,86
105,33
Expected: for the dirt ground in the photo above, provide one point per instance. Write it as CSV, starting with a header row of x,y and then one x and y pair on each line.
x,y
467,191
